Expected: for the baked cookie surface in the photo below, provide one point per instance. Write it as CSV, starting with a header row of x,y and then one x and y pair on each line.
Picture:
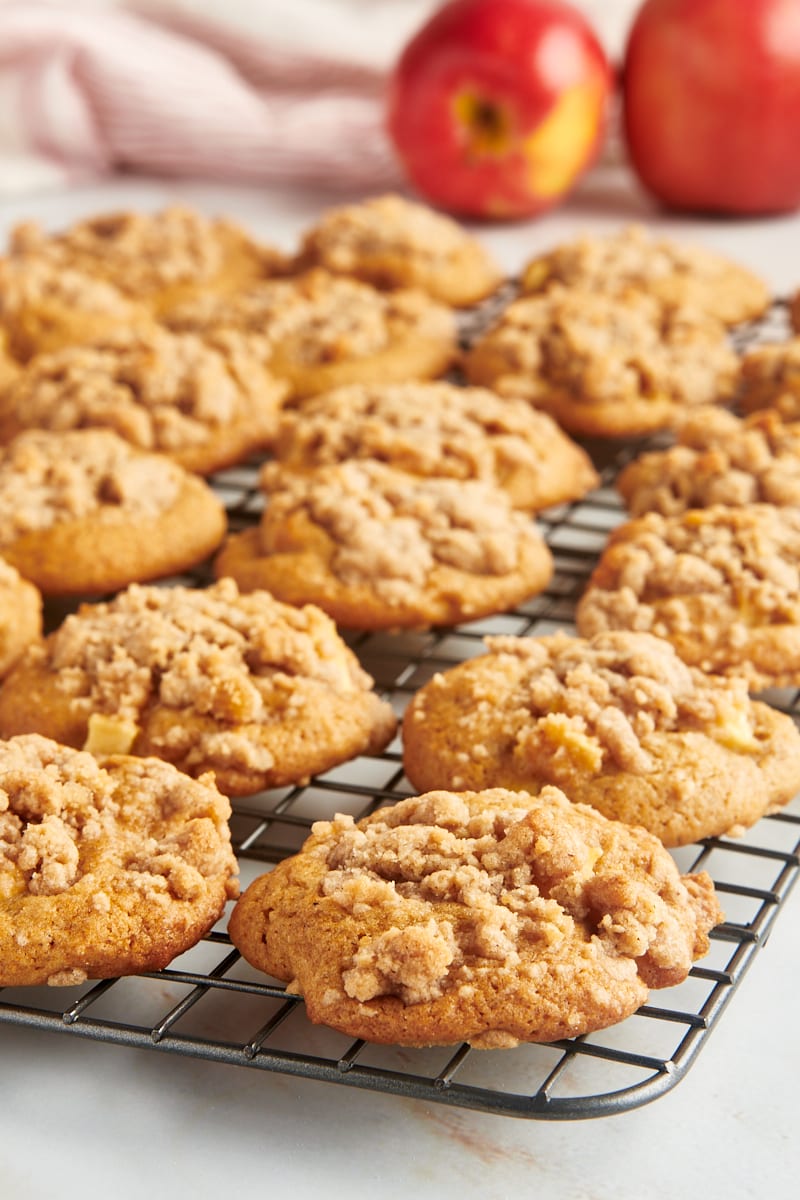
x,y
722,584
603,366
106,868
159,258
258,692
83,512
770,378
205,401
492,917
377,548
618,722
439,430
632,262
20,615
718,459
46,305
392,242
324,331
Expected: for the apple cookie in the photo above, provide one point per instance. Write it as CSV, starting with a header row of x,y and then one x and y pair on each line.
x,y
718,459
722,584
20,615
633,262
83,512
605,367
106,868
260,693
491,917
377,548
770,378
45,305
439,430
324,332
205,401
159,258
391,242
618,722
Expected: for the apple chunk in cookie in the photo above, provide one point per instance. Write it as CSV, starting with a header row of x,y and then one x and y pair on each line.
x,y
617,721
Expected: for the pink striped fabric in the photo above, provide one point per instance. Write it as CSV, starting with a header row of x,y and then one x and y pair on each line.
x,y
94,90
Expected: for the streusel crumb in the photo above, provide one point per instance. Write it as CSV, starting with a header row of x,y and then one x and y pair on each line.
x,y
491,917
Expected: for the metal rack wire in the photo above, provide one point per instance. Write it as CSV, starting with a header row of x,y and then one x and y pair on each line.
x,y
211,1005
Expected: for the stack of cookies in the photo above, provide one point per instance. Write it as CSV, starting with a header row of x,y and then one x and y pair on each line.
x,y
527,893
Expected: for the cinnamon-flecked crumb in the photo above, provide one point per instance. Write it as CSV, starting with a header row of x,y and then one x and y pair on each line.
x,y
143,253
157,390
633,262
491,917
718,459
390,528
438,429
84,845
50,477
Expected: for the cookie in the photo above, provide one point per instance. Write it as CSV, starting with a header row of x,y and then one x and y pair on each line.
x,y
325,332
258,692
159,258
45,306
204,401
721,583
83,512
770,378
718,459
602,366
392,242
491,918
632,262
618,722
439,430
106,868
20,615
377,548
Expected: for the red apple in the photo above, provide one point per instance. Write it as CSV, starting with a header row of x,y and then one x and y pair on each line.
x,y
496,107
711,102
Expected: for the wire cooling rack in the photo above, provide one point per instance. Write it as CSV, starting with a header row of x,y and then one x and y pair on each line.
x,y
210,1004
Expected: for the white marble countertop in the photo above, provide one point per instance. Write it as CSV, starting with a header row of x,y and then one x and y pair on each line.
x,y
81,1118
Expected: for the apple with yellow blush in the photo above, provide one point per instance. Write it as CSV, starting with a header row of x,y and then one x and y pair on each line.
x,y
497,107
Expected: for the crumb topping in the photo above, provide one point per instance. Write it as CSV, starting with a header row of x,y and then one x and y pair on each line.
x,y
597,702
141,252
157,390
673,575
390,529
463,886
64,816
46,478
422,428
633,261
322,317
603,350
718,460
770,378
34,280
240,660
385,225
